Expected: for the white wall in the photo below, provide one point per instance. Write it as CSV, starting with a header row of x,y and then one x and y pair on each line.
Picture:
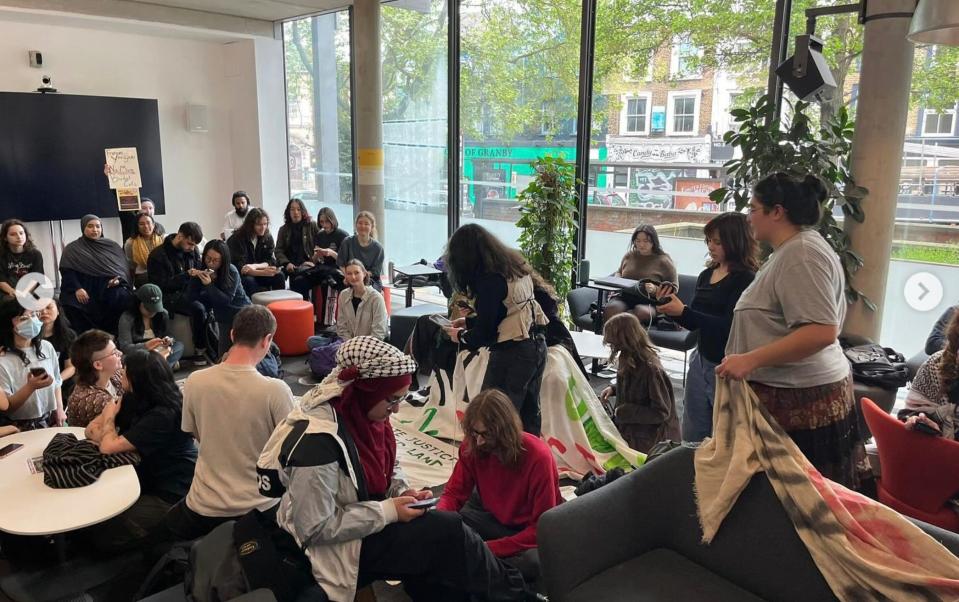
x,y
200,170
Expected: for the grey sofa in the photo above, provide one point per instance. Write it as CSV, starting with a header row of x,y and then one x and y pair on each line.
x,y
638,539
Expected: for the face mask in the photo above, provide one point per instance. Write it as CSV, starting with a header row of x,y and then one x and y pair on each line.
x,y
29,329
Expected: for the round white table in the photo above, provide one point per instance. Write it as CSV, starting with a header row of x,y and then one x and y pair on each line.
x,y
32,508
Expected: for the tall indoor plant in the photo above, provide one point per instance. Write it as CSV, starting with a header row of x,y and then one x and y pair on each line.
x,y
548,221
796,146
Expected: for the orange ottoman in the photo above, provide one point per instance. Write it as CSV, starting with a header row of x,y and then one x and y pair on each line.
x,y
294,323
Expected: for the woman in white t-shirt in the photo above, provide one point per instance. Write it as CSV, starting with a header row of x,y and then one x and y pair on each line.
x,y
785,327
29,373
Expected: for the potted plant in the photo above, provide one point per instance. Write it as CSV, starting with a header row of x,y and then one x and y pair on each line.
x,y
548,208
799,148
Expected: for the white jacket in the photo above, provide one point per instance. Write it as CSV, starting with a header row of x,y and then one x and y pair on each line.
x,y
368,319
320,504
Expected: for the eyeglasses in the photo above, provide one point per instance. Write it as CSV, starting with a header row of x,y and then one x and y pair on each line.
x,y
392,402
115,352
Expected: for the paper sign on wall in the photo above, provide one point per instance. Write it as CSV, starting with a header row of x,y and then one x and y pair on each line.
x,y
128,199
123,168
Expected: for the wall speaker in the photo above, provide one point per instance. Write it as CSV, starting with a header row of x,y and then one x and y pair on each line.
x,y
196,118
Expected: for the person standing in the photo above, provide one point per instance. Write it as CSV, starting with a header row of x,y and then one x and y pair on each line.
x,y
233,220
784,335
56,330
508,318
231,410
170,267
731,268
18,255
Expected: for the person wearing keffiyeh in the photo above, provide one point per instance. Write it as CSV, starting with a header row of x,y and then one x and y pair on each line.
x,y
345,501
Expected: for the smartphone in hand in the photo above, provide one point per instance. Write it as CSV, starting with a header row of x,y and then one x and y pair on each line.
x,y
424,504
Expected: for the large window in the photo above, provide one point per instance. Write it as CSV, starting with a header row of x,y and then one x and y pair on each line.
x,y
414,50
518,85
318,113
938,124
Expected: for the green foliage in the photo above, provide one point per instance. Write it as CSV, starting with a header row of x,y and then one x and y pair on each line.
x,y
548,209
797,148
939,254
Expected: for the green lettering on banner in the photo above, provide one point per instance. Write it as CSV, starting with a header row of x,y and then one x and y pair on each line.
x,y
430,414
596,439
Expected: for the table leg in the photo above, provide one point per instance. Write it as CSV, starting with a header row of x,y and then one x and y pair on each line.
x,y
409,293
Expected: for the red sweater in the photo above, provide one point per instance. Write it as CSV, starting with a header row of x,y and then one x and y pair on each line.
x,y
516,496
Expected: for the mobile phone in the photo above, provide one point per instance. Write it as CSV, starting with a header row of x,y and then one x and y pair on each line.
x,y
9,449
440,321
208,271
424,504
38,371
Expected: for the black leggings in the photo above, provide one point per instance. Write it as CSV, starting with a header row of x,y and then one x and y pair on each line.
x,y
516,368
439,559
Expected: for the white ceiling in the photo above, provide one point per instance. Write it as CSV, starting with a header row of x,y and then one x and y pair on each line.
x,y
266,10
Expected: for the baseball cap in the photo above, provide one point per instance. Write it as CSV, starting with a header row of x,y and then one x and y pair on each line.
x,y
151,297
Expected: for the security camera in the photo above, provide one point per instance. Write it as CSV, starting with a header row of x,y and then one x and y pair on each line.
x,y
806,72
46,85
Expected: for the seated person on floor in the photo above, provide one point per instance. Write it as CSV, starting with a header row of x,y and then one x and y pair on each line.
x,y
230,409
504,479
361,310
933,398
30,395
345,502
645,409
145,420
170,267
98,363
219,287
252,251
644,259
148,326
95,285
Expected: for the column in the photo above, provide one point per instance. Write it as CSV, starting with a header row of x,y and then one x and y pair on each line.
x,y
368,105
883,105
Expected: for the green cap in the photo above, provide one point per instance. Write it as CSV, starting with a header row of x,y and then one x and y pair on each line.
x,y
151,297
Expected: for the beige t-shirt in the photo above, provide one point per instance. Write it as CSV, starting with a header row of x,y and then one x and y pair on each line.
x,y
232,411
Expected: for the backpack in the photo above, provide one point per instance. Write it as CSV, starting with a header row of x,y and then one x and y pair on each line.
x,y
271,365
323,359
878,366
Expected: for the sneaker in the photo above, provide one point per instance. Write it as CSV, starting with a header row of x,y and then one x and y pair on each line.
x,y
200,358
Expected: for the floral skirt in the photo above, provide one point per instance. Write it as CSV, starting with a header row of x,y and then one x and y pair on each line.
x,y
823,423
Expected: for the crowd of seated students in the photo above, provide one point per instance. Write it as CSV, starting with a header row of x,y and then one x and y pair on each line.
x,y
324,471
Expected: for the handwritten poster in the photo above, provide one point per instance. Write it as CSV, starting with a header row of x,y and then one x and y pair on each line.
x,y
123,168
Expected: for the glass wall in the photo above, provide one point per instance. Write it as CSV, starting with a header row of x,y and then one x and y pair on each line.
x,y
664,83
414,51
519,67
318,113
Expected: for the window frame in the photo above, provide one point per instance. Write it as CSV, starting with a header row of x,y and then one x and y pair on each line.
x,y
671,97
674,56
926,113
624,114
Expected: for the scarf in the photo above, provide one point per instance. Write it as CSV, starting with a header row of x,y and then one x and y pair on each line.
x,y
367,371
141,248
101,257
375,442
862,548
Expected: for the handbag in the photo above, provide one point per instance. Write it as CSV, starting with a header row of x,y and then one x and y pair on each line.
x,y
878,366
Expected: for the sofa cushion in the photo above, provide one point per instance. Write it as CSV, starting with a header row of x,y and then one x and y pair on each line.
x,y
678,340
660,575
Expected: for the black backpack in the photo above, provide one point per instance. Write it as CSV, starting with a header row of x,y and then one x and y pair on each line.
x,y
878,366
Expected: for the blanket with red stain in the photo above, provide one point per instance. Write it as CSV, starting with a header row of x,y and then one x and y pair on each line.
x,y
863,549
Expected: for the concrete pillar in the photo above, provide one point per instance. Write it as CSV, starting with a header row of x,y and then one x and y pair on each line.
x,y
881,113
368,105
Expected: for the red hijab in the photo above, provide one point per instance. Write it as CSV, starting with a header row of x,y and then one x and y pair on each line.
x,y
375,442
